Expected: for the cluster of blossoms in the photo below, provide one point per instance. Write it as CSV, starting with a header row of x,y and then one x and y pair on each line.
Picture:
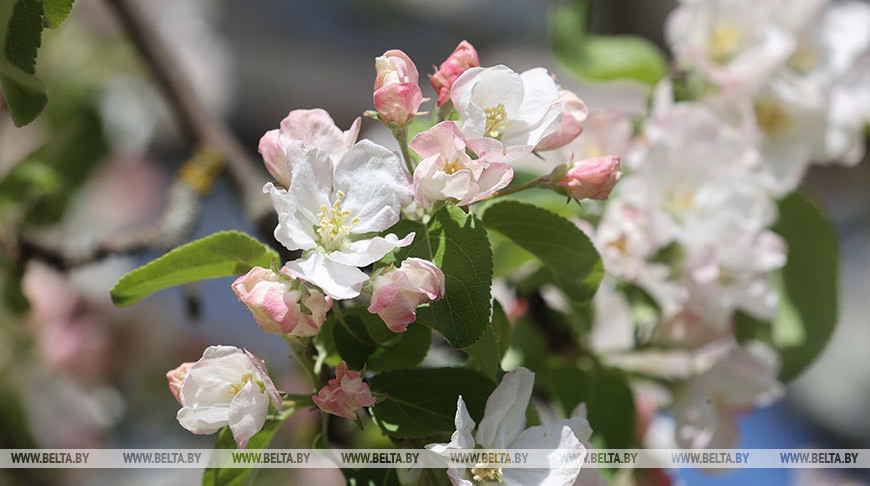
x,y
337,198
764,93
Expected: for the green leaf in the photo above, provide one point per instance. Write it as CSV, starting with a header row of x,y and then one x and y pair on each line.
x,y
352,334
557,242
25,96
56,12
457,243
487,352
600,57
422,402
233,476
219,255
808,288
608,398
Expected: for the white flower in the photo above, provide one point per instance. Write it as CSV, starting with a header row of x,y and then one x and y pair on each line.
x,y
448,173
502,428
504,114
227,386
744,378
330,215
736,44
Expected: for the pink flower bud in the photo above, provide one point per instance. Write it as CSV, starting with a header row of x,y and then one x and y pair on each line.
x,y
397,292
345,394
463,57
571,125
397,97
277,300
591,178
176,379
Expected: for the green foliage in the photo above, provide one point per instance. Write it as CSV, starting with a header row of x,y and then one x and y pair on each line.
x,y
21,21
422,402
600,57
807,288
458,244
558,243
239,476
56,12
487,352
362,339
608,398
219,255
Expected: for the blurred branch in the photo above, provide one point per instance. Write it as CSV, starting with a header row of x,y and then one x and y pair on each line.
x,y
198,124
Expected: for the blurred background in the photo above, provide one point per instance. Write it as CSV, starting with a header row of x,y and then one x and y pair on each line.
x,y
76,372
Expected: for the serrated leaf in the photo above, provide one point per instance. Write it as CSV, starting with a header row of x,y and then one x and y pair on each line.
x,y
239,476
458,244
24,94
56,11
408,413
557,242
608,398
219,255
488,351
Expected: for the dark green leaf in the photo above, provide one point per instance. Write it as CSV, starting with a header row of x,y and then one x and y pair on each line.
x,y
56,12
457,243
233,476
352,341
558,243
408,352
24,94
219,255
608,398
422,402
488,351
352,335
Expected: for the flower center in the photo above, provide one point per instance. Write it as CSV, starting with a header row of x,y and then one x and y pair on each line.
x,y
804,59
332,228
483,473
496,121
723,42
772,117
452,166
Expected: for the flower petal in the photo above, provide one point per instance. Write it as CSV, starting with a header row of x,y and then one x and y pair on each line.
x,y
316,128
365,252
461,438
248,413
376,186
310,183
554,437
267,381
505,414
290,232
335,279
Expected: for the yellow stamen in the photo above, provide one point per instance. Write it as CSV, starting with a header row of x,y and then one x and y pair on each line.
x,y
332,229
496,121
723,42
483,472
772,117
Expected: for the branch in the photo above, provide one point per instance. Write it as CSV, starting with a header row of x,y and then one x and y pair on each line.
x,y
197,123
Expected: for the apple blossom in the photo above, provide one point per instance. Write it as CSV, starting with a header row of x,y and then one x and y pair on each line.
x,y
397,96
503,427
591,178
345,394
572,122
331,214
282,304
176,379
448,173
733,49
504,114
313,128
397,292
463,58
745,377
227,386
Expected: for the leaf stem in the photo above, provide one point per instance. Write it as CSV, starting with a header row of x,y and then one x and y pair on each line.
x,y
537,183
299,350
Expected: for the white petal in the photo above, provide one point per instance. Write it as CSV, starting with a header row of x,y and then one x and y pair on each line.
x,y
376,186
540,92
336,280
365,252
203,420
505,414
556,438
310,182
290,232
473,117
500,85
461,438
248,413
